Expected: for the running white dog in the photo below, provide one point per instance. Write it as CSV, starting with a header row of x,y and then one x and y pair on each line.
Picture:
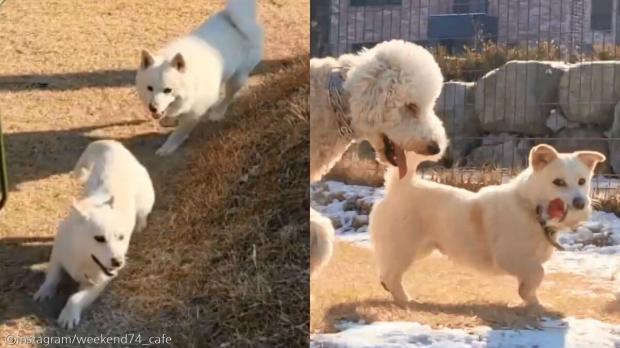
x,y
92,241
183,81
498,229
385,95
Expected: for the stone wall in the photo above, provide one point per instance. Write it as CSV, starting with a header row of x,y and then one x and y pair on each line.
x,y
495,121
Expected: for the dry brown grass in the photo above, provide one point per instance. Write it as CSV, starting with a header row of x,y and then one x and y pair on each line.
x,y
231,257
447,295
66,79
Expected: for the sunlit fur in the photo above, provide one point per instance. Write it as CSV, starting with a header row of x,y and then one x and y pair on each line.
x,y
495,230
184,79
380,83
117,199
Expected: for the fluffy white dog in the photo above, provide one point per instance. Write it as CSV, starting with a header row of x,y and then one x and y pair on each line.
x,y
500,229
183,81
385,95
92,241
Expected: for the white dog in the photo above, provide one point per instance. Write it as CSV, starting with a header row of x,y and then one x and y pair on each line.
x,y
498,229
385,95
92,241
183,81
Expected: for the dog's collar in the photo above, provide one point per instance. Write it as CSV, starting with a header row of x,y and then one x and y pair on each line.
x,y
549,231
339,101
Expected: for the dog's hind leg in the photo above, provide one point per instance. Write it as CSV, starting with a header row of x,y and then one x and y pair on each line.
x,y
233,85
50,285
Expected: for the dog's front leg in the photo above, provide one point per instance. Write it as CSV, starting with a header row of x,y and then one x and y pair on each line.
x,y
187,123
70,316
529,282
50,285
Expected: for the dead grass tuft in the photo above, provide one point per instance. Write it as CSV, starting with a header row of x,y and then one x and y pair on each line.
x,y
228,264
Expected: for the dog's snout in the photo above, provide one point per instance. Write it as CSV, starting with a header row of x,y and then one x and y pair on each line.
x,y
152,108
579,203
433,148
115,262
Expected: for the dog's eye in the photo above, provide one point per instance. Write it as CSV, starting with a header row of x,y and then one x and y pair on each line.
x,y
559,182
581,181
413,108
100,239
150,88
167,90
121,237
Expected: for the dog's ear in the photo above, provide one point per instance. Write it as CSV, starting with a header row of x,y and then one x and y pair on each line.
x,y
178,62
590,158
146,59
541,155
80,208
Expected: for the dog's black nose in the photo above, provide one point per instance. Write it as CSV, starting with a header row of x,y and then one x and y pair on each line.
x,y
433,148
152,108
579,203
115,262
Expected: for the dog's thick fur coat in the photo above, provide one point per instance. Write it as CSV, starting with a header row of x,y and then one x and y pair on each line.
x,y
495,230
391,91
184,80
92,241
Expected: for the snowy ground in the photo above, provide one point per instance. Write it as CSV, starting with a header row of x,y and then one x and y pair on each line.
x,y
569,332
592,250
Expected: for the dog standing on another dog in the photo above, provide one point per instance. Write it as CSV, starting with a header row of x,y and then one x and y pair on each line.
x,y
497,229
92,241
182,82
385,95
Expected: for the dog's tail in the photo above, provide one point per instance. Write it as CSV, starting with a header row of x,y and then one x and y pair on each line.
x,y
392,176
243,15
89,158
321,241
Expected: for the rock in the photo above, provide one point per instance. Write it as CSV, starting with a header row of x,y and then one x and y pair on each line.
x,y
583,234
614,145
349,206
556,121
336,222
593,226
518,96
456,108
576,139
504,151
589,92
360,221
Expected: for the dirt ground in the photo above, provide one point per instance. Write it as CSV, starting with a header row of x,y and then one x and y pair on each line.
x,y
448,295
66,79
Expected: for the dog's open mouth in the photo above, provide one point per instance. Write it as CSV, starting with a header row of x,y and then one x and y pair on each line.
x,y
395,155
102,267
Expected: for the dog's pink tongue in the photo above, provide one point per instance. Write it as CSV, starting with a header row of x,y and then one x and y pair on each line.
x,y
556,208
401,160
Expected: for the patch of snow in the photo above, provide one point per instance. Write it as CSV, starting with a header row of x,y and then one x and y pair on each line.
x,y
568,332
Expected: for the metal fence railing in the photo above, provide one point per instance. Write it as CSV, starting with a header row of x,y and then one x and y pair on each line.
x,y
518,72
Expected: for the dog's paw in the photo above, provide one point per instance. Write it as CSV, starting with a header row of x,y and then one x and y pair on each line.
x,y
69,317
166,150
44,293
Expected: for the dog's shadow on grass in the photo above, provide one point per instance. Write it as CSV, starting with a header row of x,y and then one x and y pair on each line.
x,y
33,156
495,315
23,262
